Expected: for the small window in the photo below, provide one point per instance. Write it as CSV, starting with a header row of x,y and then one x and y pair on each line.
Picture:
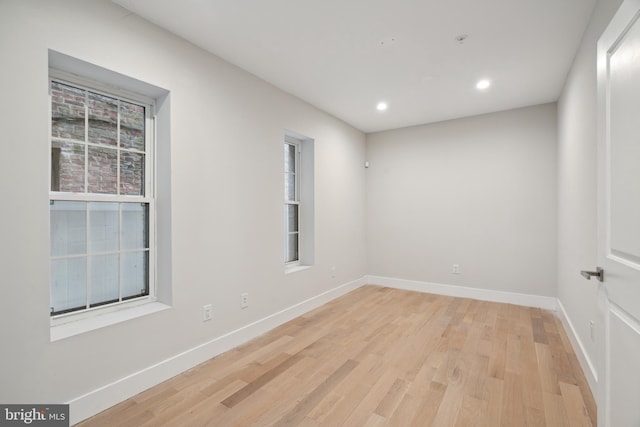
x,y
299,228
101,198
292,202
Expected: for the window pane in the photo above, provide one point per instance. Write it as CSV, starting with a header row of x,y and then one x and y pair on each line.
x,y
291,251
131,126
67,167
134,274
291,218
104,228
135,226
68,284
103,171
103,119
68,223
67,111
131,173
289,158
289,186
104,279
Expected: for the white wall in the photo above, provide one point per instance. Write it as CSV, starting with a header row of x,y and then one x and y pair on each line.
x,y
479,192
577,186
226,175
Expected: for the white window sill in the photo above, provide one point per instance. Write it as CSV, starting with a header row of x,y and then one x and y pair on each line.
x,y
294,268
66,330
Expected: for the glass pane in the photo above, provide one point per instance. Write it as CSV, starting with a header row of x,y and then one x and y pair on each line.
x,y
104,279
68,228
291,251
103,119
104,228
67,167
67,111
289,158
68,284
291,218
103,171
289,186
135,226
134,274
131,126
131,173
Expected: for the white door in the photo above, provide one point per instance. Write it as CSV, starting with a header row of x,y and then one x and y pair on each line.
x,y
619,218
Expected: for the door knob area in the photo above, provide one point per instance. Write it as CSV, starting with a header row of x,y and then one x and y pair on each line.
x,y
599,274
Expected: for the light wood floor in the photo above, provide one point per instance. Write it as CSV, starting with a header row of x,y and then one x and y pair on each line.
x,y
382,357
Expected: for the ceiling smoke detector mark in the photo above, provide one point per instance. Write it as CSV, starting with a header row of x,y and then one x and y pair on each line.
x,y
462,38
388,41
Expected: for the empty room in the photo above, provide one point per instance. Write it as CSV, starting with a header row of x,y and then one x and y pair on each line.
x,y
320,213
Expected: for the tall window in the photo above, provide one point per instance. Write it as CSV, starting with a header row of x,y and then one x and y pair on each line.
x,y
292,201
101,199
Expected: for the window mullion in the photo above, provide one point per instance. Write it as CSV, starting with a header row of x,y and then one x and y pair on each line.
x,y
118,148
120,275
86,140
297,172
88,260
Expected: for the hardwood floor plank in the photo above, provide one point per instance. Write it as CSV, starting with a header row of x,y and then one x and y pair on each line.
x,y
494,399
250,388
539,333
391,400
311,400
512,404
546,371
576,410
583,386
404,411
472,412
430,398
449,407
380,356
362,414
375,420
554,410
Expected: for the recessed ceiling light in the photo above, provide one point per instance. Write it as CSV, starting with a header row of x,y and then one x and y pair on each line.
x,y
483,84
381,106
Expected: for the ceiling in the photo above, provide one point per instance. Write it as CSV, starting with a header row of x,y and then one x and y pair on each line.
x,y
345,56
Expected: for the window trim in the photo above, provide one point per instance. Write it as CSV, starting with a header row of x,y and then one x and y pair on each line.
x,y
149,197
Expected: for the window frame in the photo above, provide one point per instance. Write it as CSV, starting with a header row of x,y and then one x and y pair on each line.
x,y
288,140
148,198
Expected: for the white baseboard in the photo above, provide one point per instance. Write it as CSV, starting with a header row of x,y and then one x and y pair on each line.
x,y
109,395
539,301
586,364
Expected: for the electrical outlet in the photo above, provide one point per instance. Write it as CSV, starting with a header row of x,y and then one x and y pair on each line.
x,y
455,269
244,300
333,272
207,312
592,329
